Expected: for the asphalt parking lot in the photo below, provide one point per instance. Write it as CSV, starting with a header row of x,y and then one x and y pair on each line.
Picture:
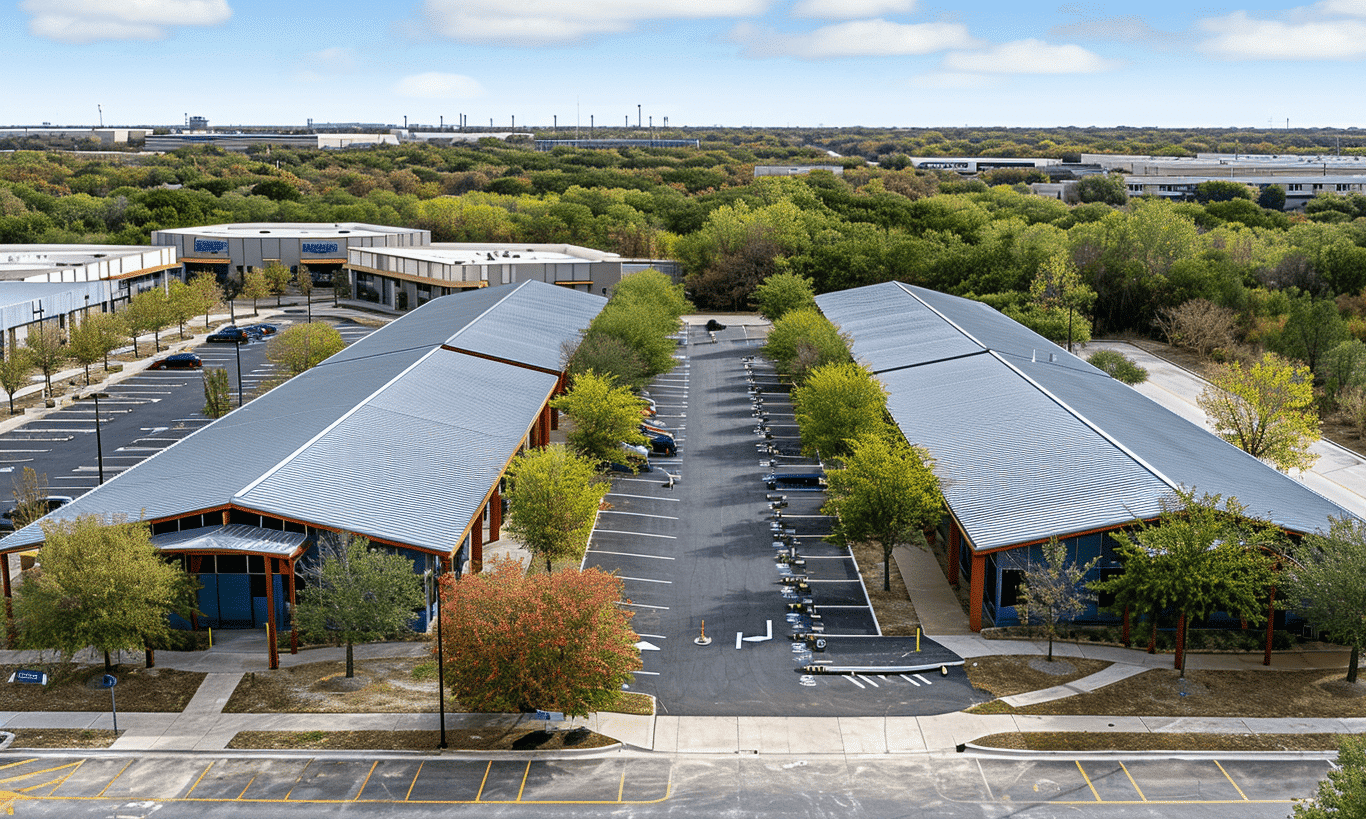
x,y
139,416
694,541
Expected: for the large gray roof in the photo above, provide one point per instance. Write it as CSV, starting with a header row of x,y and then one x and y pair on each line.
x,y
396,437
1031,441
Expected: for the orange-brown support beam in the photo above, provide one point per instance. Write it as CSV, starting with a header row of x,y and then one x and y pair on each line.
x,y
477,547
9,603
977,587
293,622
272,649
544,422
226,515
495,515
955,546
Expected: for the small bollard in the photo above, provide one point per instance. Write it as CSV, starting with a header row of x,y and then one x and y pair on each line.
x,y
703,639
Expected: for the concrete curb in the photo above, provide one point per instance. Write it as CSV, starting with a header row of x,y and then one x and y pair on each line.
x,y
988,752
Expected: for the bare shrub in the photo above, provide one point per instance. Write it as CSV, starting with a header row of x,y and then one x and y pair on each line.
x,y
1200,325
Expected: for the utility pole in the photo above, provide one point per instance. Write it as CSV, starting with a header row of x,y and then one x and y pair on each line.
x,y
101,110
637,116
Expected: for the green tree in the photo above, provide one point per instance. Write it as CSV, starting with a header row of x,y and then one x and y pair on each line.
x,y
217,392
1272,197
838,403
46,348
885,491
517,642
255,286
610,357
1266,410
1342,795
147,312
182,304
303,347
1221,190
604,417
304,281
1326,582
803,340
341,286
15,369
1106,188
87,344
1057,286
1198,558
782,293
30,498
102,585
1312,328
1118,366
208,294
1052,592
110,329
354,593
277,281
553,497
1343,368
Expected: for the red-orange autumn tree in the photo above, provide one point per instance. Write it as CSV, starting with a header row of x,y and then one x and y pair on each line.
x,y
516,643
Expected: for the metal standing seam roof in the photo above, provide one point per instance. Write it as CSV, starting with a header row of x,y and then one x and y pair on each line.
x,y
210,468
236,537
1031,441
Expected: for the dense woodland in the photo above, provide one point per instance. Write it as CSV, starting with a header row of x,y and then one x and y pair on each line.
x,y
1114,269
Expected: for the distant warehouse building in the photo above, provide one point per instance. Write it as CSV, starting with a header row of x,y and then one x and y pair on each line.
x,y
402,278
232,249
1298,189
245,140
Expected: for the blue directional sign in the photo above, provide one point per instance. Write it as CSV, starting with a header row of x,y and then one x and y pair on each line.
x,y
26,675
553,716
109,681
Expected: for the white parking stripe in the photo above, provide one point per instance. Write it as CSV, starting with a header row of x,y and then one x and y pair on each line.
x,y
642,606
636,514
634,534
644,579
852,680
631,554
642,497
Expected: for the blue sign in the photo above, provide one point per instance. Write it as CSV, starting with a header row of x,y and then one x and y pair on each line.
x,y
319,247
551,716
109,681
210,246
25,675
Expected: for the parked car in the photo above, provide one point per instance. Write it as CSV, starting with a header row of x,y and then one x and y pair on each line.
x,y
637,460
713,325
231,335
661,443
51,501
801,481
263,329
179,361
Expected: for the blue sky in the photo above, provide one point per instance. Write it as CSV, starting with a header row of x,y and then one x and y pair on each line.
x,y
909,63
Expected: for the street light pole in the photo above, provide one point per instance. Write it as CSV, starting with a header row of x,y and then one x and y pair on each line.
x,y
237,345
440,656
99,451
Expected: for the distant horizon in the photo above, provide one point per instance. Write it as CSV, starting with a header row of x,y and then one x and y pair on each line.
x,y
750,63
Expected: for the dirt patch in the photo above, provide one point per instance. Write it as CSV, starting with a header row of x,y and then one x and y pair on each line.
x,y
62,738
894,609
1161,693
465,739
1092,741
406,685
78,688
1002,676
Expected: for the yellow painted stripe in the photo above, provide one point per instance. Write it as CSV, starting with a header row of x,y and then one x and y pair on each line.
x,y
1088,782
201,778
1231,782
484,781
525,774
366,782
297,779
72,765
413,784
621,789
244,789
20,762
1132,782
116,776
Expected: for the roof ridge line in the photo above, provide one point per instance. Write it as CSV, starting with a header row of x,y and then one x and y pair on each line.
x,y
486,311
1159,474
311,441
905,288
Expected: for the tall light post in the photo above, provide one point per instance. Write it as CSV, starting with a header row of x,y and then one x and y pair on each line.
x,y
237,345
440,656
99,443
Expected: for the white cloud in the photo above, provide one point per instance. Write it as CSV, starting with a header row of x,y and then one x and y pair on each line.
x,y
1350,8
1240,37
858,38
435,85
850,9
1117,29
542,22
84,21
1030,57
952,81
336,60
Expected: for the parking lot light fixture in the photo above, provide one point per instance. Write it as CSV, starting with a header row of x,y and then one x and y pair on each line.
x,y
99,444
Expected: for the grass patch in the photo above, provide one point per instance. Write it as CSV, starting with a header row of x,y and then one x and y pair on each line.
x,y
464,739
1160,693
630,702
62,737
1015,674
1124,741
895,612
77,688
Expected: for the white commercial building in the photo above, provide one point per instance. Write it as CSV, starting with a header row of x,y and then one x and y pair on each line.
x,y
235,248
